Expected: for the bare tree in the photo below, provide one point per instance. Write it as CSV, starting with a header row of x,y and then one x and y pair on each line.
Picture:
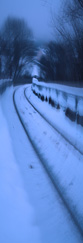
x,y
17,45
68,31
74,16
81,3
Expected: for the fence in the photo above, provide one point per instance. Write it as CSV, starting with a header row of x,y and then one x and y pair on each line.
x,y
69,102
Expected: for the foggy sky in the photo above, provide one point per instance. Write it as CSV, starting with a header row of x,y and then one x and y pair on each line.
x,y
37,13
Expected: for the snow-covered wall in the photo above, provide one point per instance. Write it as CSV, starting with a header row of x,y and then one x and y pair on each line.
x,y
4,83
69,99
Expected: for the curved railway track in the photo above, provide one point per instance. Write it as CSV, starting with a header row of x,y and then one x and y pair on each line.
x,y
74,217
51,124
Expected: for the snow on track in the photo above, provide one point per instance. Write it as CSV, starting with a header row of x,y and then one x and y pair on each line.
x,y
61,160
51,222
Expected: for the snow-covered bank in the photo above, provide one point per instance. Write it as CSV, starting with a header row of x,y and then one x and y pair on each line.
x,y
16,213
4,83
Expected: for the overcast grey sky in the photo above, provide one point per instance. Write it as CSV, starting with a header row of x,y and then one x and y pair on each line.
x,y
37,13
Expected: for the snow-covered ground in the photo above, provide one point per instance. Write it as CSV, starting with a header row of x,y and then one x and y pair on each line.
x,y
30,209
3,81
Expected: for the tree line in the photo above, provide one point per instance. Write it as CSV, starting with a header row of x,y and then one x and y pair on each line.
x,y
63,61
17,47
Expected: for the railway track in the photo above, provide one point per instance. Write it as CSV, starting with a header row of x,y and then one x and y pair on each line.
x,y
73,216
51,124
